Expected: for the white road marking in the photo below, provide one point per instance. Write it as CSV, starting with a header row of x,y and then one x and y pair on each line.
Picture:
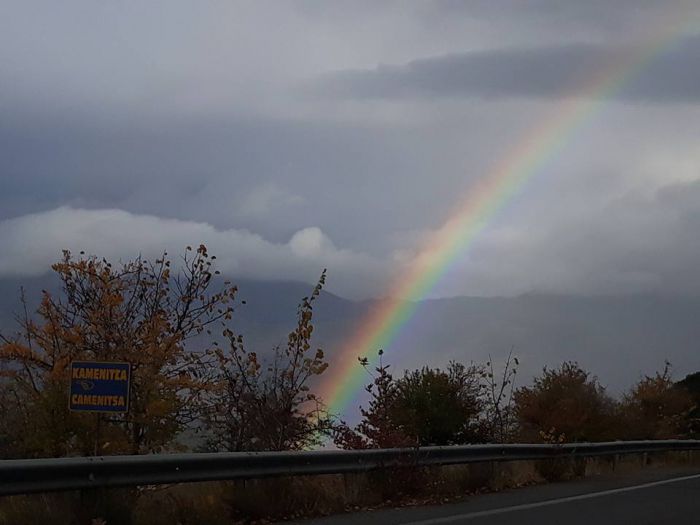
x,y
546,503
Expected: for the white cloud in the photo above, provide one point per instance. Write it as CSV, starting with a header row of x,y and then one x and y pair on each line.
x,y
636,243
32,242
310,242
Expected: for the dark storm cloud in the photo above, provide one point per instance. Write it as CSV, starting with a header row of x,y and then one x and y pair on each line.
x,y
543,72
591,16
550,8
131,115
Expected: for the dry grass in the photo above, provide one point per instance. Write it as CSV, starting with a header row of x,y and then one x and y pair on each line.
x,y
43,509
189,504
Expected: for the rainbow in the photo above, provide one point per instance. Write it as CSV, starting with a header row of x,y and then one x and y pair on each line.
x,y
539,146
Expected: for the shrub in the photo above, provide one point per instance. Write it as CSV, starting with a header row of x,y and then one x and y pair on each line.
x,y
567,403
656,408
424,407
438,407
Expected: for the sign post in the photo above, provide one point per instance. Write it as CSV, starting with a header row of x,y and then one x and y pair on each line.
x,y
97,386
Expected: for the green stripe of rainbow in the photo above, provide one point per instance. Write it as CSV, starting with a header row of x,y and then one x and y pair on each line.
x,y
537,148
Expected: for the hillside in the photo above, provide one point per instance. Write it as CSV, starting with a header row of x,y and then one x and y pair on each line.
x,y
619,338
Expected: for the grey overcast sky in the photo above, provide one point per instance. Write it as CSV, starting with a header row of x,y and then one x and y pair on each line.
x,y
289,136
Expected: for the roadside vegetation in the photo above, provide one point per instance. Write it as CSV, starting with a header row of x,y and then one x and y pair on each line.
x,y
197,386
462,405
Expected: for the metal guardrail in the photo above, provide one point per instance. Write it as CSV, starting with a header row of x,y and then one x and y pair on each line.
x,y
24,476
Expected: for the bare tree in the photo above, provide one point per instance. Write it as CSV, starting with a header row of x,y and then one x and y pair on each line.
x,y
499,412
268,404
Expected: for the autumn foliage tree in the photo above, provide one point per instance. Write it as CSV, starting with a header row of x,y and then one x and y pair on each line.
x,y
267,404
691,385
656,408
142,312
564,404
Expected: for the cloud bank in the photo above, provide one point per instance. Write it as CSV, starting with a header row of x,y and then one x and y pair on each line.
x,y
541,72
32,242
634,243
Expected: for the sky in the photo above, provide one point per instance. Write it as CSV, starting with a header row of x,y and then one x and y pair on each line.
x,y
292,136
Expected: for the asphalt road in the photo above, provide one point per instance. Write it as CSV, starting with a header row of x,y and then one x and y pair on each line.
x,y
651,496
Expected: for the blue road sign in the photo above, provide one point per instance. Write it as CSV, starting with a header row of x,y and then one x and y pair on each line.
x,y
99,386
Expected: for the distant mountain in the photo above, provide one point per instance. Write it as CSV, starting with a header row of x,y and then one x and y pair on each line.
x,y
267,316
619,338
10,293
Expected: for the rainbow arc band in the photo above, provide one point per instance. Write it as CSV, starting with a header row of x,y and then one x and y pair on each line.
x,y
538,147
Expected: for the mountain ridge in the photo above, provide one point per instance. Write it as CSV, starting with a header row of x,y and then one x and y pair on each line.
x,y
617,337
